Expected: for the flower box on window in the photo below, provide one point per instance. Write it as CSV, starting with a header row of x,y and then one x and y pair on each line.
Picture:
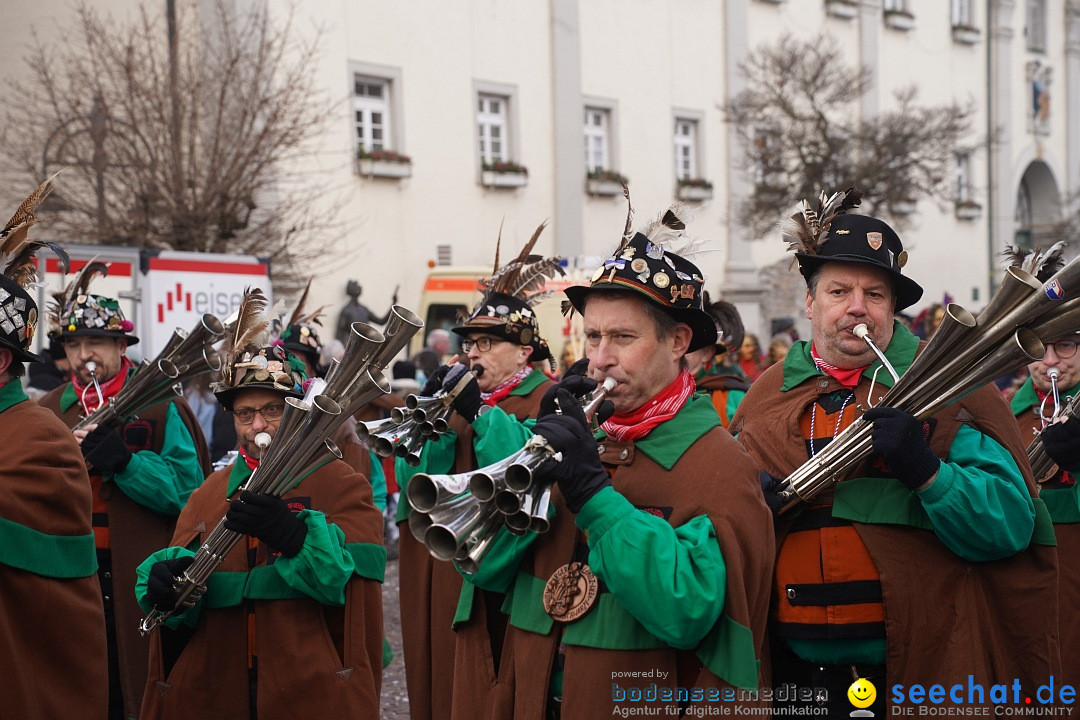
x,y
968,210
965,34
504,174
383,163
846,9
899,20
607,183
694,189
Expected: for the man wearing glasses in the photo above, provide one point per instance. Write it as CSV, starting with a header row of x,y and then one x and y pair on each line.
x,y
1038,406
501,340
291,622
141,471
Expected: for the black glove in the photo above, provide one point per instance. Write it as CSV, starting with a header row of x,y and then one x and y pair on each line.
x,y
434,383
269,519
899,439
770,484
104,450
159,585
575,381
1062,443
580,474
467,402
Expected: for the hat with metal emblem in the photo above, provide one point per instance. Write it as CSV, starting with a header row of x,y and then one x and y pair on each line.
x,y
647,263
830,234
510,294
18,311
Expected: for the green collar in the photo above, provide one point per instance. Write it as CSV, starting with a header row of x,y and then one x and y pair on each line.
x,y
239,475
68,398
1026,398
12,393
530,383
668,441
799,365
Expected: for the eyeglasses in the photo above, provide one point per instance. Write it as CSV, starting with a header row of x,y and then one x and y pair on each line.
x,y
482,344
1064,349
270,413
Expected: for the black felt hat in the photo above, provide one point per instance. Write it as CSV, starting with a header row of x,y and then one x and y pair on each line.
x,y
659,276
830,234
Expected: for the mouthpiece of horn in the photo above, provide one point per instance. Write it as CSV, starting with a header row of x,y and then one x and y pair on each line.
x,y
262,440
1053,373
860,331
90,366
609,383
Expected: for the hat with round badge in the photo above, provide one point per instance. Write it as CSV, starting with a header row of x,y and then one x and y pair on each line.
x,y
510,294
830,234
250,363
76,312
300,335
646,263
18,311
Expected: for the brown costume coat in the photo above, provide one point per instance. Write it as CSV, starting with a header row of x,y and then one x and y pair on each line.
x,y
135,531
945,617
52,630
696,485
1068,537
429,596
314,660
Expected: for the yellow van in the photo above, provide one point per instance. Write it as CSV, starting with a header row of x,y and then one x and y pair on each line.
x,y
451,290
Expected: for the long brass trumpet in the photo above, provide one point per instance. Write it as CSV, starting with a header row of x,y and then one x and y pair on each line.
x,y
408,428
301,443
458,516
965,353
1042,465
184,357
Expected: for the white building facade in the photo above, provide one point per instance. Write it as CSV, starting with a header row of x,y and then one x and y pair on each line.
x,y
515,112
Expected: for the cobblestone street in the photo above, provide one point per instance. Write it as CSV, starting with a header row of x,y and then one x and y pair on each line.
x,y
395,699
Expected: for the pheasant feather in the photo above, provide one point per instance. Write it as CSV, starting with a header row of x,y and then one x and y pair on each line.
x,y
806,231
17,251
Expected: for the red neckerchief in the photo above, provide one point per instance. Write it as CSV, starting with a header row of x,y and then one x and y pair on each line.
x,y
251,462
505,387
109,388
847,378
663,406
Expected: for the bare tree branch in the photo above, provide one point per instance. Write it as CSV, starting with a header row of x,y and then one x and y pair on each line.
x,y
798,124
194,164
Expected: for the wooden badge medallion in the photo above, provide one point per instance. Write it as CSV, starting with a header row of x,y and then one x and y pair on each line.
x,y
570,592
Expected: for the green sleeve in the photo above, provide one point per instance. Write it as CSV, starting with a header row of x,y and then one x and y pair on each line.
x,y
437,458
378,481
979,504
189,616
497,436
164,481
323,566
734,397
500,566
672,580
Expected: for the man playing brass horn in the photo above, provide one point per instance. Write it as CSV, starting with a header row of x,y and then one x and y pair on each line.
x,y
926,565
655,572
291,623
1033,404
141,472
501,339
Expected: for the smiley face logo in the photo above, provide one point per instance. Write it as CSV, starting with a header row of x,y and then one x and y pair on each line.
x,y
862,693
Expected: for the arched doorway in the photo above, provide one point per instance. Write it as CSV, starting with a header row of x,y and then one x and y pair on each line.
x,y
1038,207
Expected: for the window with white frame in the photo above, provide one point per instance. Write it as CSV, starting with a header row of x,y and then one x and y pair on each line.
x,y
962,13
686,149
597,139
963,178
894,5
492,119
371,112
1036,25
